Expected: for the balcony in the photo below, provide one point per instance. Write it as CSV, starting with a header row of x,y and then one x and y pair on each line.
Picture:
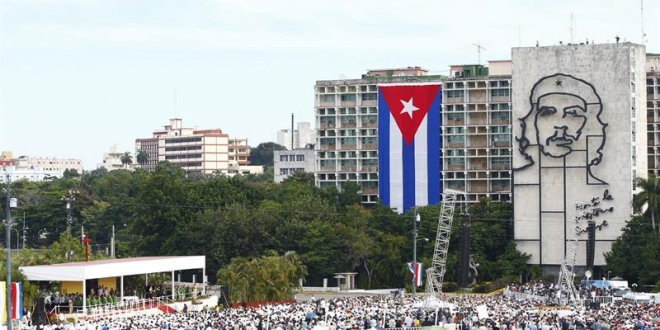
x,y
455,167
455,122
327,125
369,146
348,125
369,191
500,167
367,168
495,99
348,147
369,124
455,100
327,147
348,168
456,144
501,144
327,168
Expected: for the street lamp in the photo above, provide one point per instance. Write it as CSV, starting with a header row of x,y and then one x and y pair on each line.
x,y
17,237
608,274
10,203
634,287
414,278
69,217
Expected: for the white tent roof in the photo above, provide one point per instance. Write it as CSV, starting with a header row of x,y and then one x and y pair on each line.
x,y
80,271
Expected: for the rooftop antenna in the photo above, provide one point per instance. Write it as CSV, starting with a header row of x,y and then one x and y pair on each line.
x,y
479,49
175,103
572,28
642,22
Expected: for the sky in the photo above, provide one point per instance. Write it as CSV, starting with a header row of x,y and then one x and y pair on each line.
x,y
79,76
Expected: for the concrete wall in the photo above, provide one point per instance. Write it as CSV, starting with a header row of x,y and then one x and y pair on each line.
x,y
592,96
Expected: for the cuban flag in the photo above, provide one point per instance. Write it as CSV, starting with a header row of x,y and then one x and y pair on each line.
x,y
409,145
416,270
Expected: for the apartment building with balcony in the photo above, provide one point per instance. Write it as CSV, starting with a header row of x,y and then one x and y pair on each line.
x,y
476,131
346,113
653,112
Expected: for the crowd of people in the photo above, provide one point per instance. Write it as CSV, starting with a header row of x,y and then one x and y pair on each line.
x,y
390,311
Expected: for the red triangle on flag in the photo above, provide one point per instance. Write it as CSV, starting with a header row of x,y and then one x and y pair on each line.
x,y
408,105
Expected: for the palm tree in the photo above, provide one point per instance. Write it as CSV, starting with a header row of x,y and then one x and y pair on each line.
x,y
649,196
126,159
142,157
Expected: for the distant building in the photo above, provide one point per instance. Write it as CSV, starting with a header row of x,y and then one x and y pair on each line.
x,y
30,174
288,162
196,150
302,136
49,164
112,160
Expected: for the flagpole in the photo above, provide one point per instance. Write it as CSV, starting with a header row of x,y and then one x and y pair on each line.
x,y
416,218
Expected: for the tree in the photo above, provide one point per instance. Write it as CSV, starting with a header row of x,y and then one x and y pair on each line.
x,y
635,255
142,157
649,196
270,277
263,153
126,159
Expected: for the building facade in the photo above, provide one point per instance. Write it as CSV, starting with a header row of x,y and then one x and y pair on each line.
x,y
653,112
112,160
346,113
29,173
303,136
476,131
288,162
205,151
576,141
49,164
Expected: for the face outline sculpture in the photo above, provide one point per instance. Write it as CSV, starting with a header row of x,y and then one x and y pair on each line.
x,y
559,122
564,113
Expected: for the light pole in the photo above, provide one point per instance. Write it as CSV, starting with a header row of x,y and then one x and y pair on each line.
x,y
10,202
69,217
18,236
414,278
608,274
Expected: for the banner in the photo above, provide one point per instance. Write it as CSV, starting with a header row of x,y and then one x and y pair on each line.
x,y
416,270
409,145
16,298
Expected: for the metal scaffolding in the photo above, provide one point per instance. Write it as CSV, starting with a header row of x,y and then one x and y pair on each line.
x,y
436,273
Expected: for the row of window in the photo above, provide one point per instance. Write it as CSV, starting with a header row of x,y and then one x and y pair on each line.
x,y
292,158
185,156
349,97
184,139
287,171
183,148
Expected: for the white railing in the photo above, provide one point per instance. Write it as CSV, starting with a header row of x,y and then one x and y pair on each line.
x,y
319,289
563,301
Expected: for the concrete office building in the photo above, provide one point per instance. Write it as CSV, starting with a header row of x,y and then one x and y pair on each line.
x,y
29,173
196,150
653,111
346,113
288,162
576,127
303,136
476,131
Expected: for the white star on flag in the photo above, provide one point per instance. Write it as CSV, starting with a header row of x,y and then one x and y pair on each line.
x,y
408,107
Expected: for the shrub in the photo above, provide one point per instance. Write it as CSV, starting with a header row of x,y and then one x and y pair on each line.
x,y
481,287
449,287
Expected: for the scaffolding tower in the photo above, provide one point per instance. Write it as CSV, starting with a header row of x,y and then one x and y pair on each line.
x,y
566,279
436,273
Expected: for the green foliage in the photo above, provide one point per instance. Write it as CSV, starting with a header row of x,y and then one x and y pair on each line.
x,y
263,153
635,255
649,197
268,278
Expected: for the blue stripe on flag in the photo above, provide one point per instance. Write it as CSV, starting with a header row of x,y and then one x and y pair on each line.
x,y
433,144
383,150
408,156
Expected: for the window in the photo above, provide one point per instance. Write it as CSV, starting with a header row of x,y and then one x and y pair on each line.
x,y
369,97
292,158
499,92
327,98
348,97
284,171
458,93
300,158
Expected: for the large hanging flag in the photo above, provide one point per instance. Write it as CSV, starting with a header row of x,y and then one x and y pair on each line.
x,y
16,299
416,270
409,145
